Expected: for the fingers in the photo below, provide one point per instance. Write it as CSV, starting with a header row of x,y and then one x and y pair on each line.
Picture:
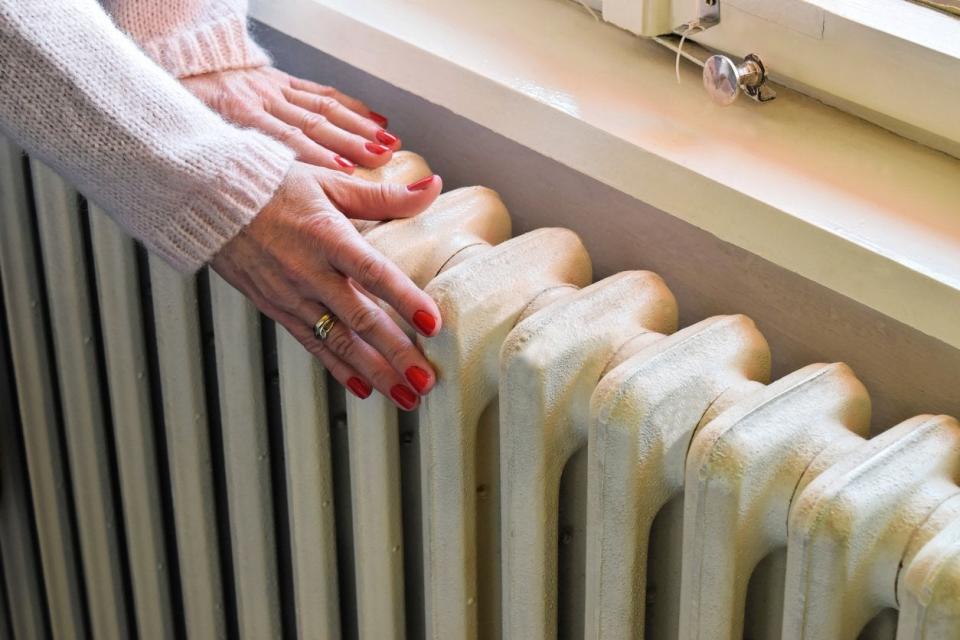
x,y
352,256
351,353
340,370
349,102
319,129
341,116
306,149
376,328
365,200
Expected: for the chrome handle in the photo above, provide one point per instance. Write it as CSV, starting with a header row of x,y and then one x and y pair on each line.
x,y
724,79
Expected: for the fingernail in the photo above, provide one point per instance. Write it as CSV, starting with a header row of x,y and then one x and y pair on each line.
x,y
403,396
386,137
343,162
425,322
360,388
421,184
379,119
418,378
375,148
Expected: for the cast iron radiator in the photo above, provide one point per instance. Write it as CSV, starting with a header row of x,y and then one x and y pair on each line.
x,y
174,465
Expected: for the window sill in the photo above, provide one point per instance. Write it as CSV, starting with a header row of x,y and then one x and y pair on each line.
x,y
840,201
892,62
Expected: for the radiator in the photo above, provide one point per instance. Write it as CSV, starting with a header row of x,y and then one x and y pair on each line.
x,y
174,465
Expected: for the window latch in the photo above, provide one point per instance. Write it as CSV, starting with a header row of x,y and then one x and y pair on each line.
x,y
723,78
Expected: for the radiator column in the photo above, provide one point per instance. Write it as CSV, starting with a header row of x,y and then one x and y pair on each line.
x,y
643,416
478,312
929,589
550,364
420,246
741,474
851,527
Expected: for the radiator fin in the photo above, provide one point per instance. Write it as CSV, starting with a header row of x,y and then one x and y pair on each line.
x,y
25,301
86,420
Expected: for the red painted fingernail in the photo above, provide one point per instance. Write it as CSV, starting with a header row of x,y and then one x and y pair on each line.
x,y
379,119
386,137
403,396
418,378
360,388
343,162
376,149
425,322
421,184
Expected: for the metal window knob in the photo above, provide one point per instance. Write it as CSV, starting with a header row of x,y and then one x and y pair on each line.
x,y
724,79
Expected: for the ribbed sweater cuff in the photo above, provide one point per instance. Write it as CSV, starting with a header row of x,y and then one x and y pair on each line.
x,y
215,46
247,183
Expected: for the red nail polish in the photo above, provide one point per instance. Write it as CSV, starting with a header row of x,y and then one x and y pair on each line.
x,y
418,378
421,184
425,322
403,396
343,162
376,149
379,119
360,388
386,137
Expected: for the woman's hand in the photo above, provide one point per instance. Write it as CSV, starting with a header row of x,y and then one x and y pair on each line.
x,y
325,127
301,256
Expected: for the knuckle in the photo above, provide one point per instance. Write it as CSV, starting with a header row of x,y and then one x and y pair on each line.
x,y
342,344
289,134
401,352
286,300
311,344
371,270
324,104
385,194
318,351
312,121
326,228
365,319
231,103
296,273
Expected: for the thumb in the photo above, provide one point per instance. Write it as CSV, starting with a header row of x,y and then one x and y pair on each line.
x,y
365,200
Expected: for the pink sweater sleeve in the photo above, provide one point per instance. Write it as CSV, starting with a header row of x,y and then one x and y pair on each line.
x,y
190,37
78,94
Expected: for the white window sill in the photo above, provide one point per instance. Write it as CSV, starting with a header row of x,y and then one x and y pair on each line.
x,y
840,201
892,62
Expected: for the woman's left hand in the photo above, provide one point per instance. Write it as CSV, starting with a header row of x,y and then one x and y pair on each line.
x,y
325,127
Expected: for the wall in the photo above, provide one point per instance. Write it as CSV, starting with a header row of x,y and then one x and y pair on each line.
x,y
907,372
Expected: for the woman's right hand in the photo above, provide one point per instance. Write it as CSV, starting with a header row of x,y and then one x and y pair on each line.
x,y
301,257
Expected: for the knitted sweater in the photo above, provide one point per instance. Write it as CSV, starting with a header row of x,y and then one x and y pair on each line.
x,y
80,95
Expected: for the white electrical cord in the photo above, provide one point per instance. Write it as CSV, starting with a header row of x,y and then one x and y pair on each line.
x,y
692,26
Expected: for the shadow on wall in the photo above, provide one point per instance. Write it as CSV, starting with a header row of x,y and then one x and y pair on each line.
x,y
906,371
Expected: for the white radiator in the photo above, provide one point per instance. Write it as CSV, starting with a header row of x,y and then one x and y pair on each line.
x,y
173,465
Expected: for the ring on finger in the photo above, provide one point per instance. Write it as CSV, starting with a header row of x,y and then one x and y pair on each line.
x,y
323,326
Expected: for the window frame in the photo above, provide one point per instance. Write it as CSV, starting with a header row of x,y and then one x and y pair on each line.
x,y
893,62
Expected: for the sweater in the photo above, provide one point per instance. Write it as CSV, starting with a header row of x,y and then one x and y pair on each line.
x,y
80,95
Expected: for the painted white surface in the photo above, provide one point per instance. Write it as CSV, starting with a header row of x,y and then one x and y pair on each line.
x,y
550,364
852,527
643,414
478,312
831,197
420,246
742,470
890,61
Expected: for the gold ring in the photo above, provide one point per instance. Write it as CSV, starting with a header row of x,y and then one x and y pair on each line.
x,y
323,326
